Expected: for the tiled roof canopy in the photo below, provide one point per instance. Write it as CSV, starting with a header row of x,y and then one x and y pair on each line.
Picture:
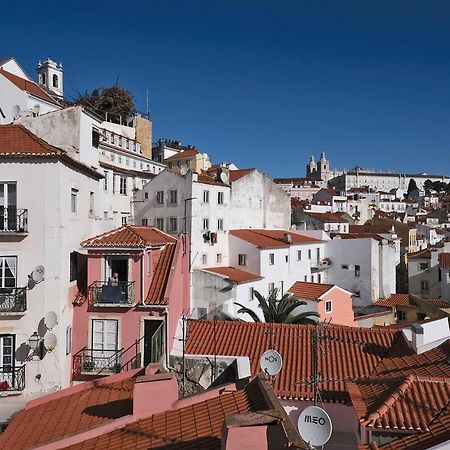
x,y
351,353
129,236
272,238
28,86
309,291
233,274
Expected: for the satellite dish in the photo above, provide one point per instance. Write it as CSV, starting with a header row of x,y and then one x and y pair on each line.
x,y
15,110
50,320
50,341
271,362
38,274
314,426
351,267
224,177
184,170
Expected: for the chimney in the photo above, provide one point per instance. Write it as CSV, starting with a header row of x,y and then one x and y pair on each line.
x,y
428,335
154,393
287,238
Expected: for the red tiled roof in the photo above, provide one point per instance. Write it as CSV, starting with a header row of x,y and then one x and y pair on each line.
x,y
350,235
235,275
272,238
78,411
184,154
351,352
204,178
327,217
198,426
376,229
130,236
157,290
444,260
237,174
408,301
28,86
309,291
421,254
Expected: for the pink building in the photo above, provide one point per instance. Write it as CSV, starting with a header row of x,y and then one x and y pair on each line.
x,y
329,301
125,315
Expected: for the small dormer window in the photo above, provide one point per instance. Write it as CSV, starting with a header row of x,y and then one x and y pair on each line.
x,y
55,81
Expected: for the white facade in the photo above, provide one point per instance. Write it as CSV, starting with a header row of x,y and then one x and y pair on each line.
x,y
57,223
16,102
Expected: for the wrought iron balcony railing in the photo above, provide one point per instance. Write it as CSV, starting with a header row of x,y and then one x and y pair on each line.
x,y
12,378
89,361
13,220
13,300
106,293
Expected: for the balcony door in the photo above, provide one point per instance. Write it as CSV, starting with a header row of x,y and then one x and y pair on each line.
x,y
6,361
104,343
116,264
8,281
154,347
8,206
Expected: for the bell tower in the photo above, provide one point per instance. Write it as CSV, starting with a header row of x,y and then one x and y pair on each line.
x,y
50,76
311,168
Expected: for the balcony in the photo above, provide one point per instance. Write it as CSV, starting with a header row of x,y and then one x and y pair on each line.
x,y
13,220
89,362
12,379
107,294
13,300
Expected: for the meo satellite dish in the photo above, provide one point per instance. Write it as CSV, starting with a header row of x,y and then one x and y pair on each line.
x,y
271,362
314,426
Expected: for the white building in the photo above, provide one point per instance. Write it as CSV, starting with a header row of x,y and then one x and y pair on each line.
x,y
45,214
20,96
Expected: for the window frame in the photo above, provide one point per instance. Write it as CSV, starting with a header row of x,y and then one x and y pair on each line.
x,y
242,259
328,306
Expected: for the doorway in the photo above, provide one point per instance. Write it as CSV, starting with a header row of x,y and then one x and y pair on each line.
x,y
154,347
119,265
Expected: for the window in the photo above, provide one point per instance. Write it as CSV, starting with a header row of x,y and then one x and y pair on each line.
x,y
124,219
328,306
204,259
271,288
344,266
305,278
424,287
73,266
423,266
91,202
299,255
173,197
357,270
123,185
220,224
68,340
55,81
105,180
242,259
146,195
319,278
8,270
401,315
286,258
144,222
104,337
120,160
309,253
43,79
220,198
7,348
271,259
160,223
105,215
205,224
173,225
219,258
159,197
95,138
73,200
205,196
252,293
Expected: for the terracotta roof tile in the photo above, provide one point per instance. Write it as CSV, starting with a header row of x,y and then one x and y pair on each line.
x,y
444,260
421,254
130,236
327,217
272,238
351,352
204,178
233,274
157,290
309,291
407,300
237,174
190,153
28,86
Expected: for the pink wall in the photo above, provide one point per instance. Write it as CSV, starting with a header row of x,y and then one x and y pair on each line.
x,y
342,309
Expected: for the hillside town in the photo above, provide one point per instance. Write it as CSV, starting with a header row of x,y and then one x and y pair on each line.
x,y
142,281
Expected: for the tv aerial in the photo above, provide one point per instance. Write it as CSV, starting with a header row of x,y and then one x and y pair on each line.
x,y
36,277
271,362
314,426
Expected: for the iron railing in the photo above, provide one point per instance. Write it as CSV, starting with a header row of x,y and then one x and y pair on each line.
x,y
12,378
13,299
106,293
91,361
13,220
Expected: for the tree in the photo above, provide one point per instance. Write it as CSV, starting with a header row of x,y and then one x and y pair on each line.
x,y
428,185
115,102
277,310
412,186
439,186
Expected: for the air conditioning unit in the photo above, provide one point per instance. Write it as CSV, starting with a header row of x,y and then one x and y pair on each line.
x,y
325,262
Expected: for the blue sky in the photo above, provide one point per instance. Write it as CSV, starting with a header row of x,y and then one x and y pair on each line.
x,y
262,83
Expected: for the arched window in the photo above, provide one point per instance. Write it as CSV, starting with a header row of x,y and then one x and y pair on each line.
x,y
43,78
55,81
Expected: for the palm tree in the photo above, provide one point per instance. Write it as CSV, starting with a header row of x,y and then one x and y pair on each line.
x,y
279,310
